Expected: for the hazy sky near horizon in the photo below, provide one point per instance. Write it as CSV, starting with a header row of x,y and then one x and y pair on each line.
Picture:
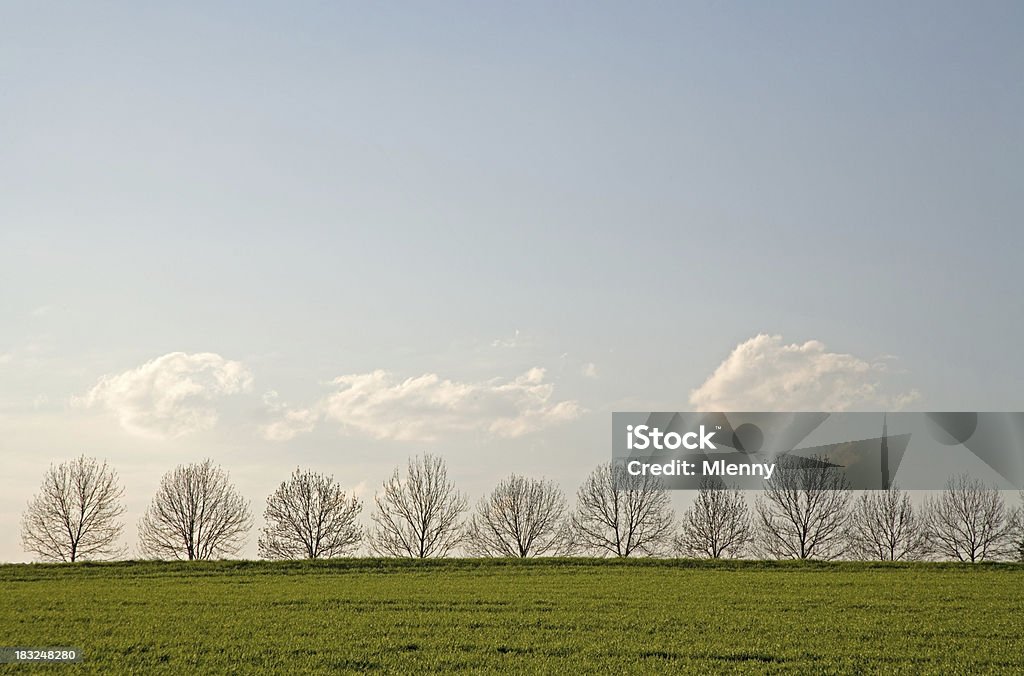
x,y
334,235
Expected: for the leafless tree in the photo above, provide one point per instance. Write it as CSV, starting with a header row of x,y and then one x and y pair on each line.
x,y
803,511
718,523
522,517
309,516
76,514
969,521
196,514
418,516
620,514
1018,532
884,526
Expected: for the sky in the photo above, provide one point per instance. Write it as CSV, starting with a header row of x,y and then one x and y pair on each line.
x,y
333,235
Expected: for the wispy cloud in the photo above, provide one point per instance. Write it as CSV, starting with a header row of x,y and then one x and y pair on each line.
x,y
287,422
764,373
515,340
170,396
360,490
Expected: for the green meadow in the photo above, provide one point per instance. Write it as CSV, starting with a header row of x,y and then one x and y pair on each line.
x,y
553,616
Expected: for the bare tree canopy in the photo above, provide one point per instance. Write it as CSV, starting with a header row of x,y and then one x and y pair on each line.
x,y
418,516
803,511
309,516
196,514
884,526
75,516
522,517
717,525
969,521
620,514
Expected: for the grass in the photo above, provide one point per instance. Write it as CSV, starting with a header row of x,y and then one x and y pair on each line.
x,y
553,616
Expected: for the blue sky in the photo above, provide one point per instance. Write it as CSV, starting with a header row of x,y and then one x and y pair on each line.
x,y
621,195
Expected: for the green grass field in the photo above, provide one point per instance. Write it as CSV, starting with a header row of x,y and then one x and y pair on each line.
x,y
550,616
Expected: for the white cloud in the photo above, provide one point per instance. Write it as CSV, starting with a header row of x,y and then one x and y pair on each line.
x,y
360,490
512,342
170,396
289,421
589,370
427,408
6,358
765,374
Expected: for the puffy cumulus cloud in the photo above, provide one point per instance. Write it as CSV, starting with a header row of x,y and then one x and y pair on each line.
x,y
428,407
765,374
589,370
170,396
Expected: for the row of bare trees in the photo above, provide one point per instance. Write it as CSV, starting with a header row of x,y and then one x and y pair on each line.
x,y
808,512
805,512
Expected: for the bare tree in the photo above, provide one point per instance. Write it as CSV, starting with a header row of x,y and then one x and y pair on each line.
x,y
75,516
418,516
884,526
718,523
620,514
309,516
969,521
522,517
1018,532
803,511
196,514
